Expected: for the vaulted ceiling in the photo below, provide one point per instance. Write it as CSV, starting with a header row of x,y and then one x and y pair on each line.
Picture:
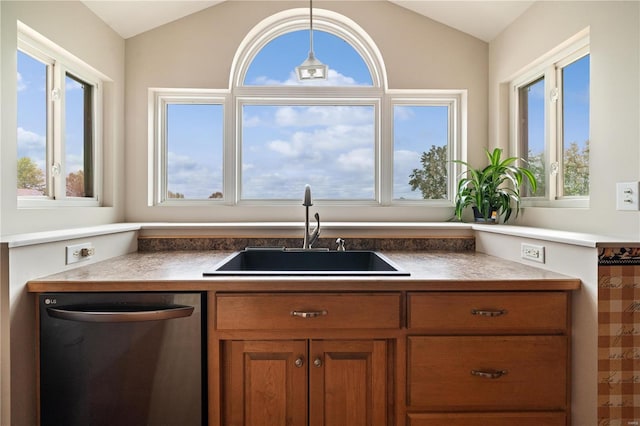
x,y
483,19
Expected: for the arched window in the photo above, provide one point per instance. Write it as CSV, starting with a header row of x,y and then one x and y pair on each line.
x,y
274,64
354,140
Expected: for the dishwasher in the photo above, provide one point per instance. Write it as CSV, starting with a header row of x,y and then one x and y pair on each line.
x,y
122,359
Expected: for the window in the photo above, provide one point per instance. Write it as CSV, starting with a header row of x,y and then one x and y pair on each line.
x,y
331,147
551,107
349,137
193,161
422,139
58,125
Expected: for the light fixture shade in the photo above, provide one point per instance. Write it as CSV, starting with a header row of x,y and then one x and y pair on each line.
x,y
312,69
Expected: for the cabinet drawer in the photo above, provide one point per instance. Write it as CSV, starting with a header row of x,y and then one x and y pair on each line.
x,y
487,419
307,311
488,312
488,373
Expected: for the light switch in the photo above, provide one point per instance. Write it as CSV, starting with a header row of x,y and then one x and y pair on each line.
x,y
627,195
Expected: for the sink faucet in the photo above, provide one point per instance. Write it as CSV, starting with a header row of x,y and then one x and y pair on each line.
x,y
309,238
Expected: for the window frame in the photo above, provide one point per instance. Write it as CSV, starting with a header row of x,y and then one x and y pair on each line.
x,y
378,95
455,101
550,68
60,64
158,181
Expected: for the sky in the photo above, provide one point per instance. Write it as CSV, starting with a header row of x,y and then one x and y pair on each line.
x,y
283,147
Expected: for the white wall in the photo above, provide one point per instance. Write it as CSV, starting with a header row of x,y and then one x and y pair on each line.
x,y
197,52
615,101
72,26
579,262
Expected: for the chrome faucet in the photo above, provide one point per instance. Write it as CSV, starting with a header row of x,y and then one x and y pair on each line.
x,y
309,238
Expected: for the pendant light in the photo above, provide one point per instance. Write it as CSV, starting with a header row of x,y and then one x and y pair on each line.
x,y
311,68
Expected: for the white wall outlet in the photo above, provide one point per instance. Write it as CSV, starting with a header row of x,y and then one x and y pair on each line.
x,y
532,252
627,195
79,252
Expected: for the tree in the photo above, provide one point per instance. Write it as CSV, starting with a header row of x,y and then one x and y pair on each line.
x,y
576,170
75,184
30,176
431,180
174,195
535,163
216,194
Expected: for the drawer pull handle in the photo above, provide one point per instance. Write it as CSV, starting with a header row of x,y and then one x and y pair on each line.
x,y
309,314
489,312
317,362
489,374
299,362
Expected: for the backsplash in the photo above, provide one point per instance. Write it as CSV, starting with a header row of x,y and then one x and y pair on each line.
x,y
149,244
619,336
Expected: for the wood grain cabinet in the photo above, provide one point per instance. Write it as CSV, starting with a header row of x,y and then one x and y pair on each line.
x,y
488,359
405,358
300,359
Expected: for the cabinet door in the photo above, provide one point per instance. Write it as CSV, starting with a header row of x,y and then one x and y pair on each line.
x,y
265,383
348,383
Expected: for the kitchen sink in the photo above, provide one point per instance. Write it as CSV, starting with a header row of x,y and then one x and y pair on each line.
x,y
305,262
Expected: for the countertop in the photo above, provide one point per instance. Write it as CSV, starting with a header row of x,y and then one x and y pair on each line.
x,y
182,271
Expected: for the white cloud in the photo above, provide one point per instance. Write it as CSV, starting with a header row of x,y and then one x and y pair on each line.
x,y
319,115
403,112
358,160
21,84
192,178
251,121
29,141
71,84
74,163
334,78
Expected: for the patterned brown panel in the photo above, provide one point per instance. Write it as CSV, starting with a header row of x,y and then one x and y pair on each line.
x,y
619,337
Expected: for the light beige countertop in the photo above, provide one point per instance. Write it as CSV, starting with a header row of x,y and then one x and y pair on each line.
x,y
182,271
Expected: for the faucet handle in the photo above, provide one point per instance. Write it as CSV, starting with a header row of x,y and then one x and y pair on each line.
x,y
340,243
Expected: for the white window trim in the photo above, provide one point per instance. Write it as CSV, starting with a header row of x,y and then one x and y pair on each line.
x,y
456,101
60,63
549,66
157,178
298,19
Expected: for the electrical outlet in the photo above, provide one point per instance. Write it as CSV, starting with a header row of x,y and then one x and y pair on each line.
x,y
79,252
532,252
627,194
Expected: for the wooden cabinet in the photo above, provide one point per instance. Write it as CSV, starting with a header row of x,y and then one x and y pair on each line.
x,y
297,360
488,359
405,358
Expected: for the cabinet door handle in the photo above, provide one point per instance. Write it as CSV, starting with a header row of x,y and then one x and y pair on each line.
x,y
489,374
489,312
299,362
317,362
308,314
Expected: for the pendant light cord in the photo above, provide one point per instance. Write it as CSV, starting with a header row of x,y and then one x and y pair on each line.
x,y
311,26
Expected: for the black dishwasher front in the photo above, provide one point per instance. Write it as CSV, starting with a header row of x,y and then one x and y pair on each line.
x,y
122,359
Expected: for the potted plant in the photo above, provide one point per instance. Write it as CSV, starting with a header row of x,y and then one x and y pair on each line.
x,y
493,191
